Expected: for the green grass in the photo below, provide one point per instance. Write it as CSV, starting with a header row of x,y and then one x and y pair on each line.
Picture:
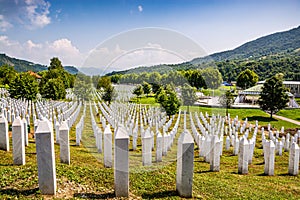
x,y
145,100
290,113
86,177
298,100
252,115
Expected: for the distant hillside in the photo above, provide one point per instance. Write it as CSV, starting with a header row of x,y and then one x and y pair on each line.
x,y
278,52
23,65
90,71
281,42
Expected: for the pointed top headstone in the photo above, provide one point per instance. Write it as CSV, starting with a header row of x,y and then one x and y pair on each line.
x,y
121,132
64,126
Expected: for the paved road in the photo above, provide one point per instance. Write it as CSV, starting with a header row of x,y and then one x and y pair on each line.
x,y
287,119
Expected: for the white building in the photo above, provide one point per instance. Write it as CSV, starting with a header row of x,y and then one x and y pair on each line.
x,y
294,86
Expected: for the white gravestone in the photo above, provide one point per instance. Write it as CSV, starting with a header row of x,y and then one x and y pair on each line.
x,y
158,147
121,163
147,148
45,158
243,156
269,158
294,160
185,165
107,147
64,143
4,137
215,154
18,142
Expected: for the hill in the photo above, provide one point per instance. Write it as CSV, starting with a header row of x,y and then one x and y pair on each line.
x,y
281,42
268,55
23,65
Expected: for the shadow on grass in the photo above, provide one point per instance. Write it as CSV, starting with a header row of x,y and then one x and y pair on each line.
x,y
261,163
285,174
261,119
6,164
203,172
95,196
262,174
14,192
164,194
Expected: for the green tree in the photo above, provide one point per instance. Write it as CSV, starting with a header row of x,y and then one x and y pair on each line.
x,y
55,63
188,95
212,77
226,100
24,86
172,102
82,89
246,79
195,79
168,99
146,88
115,78
104,82
56,73
54,89
109,94
273,96
7,74
138,91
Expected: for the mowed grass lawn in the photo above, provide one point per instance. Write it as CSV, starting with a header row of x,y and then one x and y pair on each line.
x,y
251,114
290,113
86,177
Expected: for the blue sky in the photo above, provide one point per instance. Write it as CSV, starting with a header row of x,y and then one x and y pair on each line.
x,y
37,30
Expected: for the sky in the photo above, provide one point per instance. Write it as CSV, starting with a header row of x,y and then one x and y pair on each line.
x,y
76,30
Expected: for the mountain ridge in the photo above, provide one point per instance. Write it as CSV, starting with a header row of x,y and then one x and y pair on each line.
x,y
21,65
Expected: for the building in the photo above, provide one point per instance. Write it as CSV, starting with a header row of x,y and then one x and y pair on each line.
x,y
293,86
251,95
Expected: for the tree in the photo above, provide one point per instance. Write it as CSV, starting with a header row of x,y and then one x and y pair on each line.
x,y
246,79
24,86
226,100
273,96
212,77
138,91
188,95
55,63
82,89
109,94
168,100
54,89
56,76
195,79
7,74
146,88
104,82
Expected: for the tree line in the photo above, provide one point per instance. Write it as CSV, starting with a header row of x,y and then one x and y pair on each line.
x,y
51,83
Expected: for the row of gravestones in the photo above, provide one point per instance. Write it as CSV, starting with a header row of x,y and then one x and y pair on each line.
x,y
210,147
121,160
218,141
17,129
163,142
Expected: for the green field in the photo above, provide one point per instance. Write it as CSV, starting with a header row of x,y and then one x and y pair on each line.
x,y
145,100
291,113
252,115
86,177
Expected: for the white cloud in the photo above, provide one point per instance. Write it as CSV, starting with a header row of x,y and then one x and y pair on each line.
x,y
42,52
31,14
140,8
37,13
115,58
4,25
